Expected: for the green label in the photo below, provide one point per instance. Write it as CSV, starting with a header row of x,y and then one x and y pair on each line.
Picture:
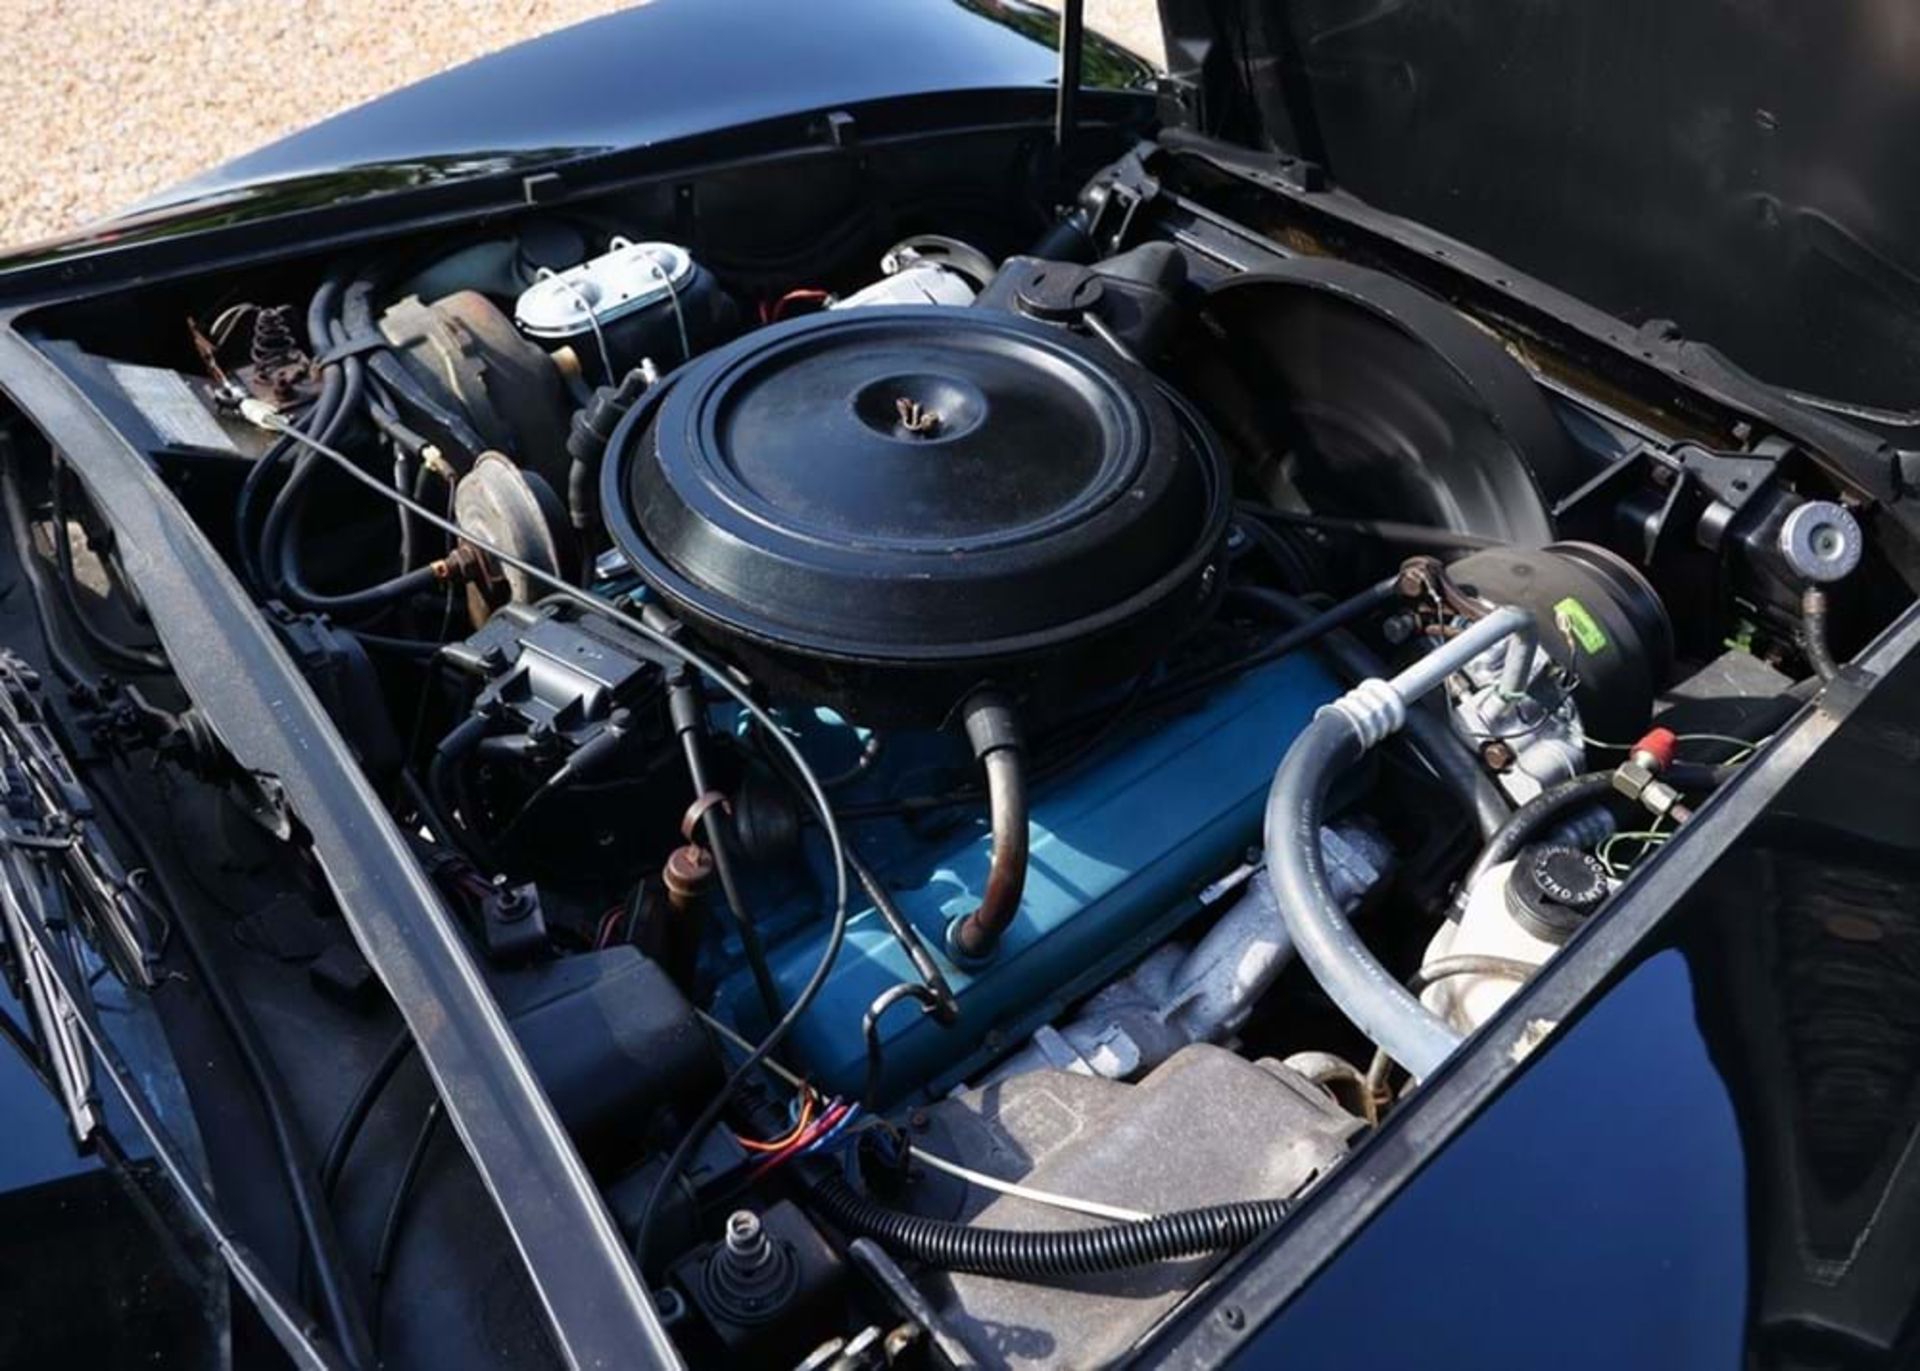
x,y
1579,625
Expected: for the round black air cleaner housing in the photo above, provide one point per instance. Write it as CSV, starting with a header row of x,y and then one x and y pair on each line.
x,y
880,509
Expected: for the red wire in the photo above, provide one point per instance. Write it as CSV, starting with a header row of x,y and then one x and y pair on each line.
x,y
825,1122
787,1139
794,297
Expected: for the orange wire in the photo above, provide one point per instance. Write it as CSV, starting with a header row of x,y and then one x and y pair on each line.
x,y
806,1117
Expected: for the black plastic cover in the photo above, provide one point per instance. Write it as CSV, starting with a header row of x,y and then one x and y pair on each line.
x,y
886,507
613,1042
335,664
1554,889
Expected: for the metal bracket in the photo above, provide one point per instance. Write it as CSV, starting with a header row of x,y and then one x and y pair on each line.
x,y
542,188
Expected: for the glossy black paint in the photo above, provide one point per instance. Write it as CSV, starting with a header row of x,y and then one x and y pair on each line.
x,y
1593,1218
1603,1182
1742,170
91,1272
617,94
1709,1164
583,119
87,1280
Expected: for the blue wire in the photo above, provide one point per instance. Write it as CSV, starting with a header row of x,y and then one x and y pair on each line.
x,y
832,1134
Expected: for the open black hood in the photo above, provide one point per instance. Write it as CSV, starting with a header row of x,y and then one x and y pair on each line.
x,y
1742,169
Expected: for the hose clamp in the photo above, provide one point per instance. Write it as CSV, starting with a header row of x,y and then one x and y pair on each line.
x,y
697,812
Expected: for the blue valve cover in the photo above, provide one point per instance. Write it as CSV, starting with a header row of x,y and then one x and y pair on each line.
x,y
1120,847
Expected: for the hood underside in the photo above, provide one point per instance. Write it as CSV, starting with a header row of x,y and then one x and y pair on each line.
x,y
1737,169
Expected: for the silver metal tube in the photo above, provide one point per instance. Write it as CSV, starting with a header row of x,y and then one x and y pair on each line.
x,y
1517,668
1424,675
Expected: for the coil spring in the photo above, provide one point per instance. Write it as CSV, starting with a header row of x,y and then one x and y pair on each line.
x,y
274,345
274,352
1032,1254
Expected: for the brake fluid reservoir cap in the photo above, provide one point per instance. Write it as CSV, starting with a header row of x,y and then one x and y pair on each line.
x,y
1554,889
626,279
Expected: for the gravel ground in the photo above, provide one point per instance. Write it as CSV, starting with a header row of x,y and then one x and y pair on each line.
x,y
108,101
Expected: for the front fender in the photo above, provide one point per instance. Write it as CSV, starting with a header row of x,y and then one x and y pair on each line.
x,y
642,78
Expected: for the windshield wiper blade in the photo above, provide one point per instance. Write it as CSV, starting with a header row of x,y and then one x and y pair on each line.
x,y
47,820
60,884
39,967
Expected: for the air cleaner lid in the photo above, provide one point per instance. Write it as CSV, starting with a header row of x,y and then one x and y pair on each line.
x,y
915,484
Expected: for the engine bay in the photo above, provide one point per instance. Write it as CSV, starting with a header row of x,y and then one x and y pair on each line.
x,y
981,753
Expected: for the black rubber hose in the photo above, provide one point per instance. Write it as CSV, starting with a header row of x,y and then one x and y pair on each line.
x,y
343,388
588,434
253,490
357,322
445,786
1539,813
1380,530
1813,634
578,772
407,446
65,665
1533,817
287,521
1018,1254
292,496
294,587
1312,629
247,542
340,1146
688,711
1292,564
127,656
423,648
402,1192
1694,776
1436,745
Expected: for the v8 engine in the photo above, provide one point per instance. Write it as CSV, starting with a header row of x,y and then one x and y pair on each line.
x,y
978,758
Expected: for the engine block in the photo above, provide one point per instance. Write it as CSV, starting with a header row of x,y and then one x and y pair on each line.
x,y
1120,848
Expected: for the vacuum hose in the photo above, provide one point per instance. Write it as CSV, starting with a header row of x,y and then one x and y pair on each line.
x,y
1813,634
1026,1254
1534,816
